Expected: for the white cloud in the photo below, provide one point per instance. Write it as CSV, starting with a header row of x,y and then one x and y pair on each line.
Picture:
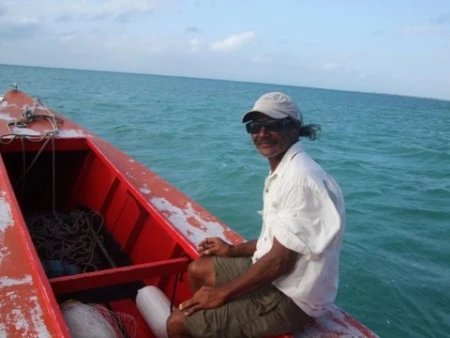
x,y
50,10
233,42
330,66
195,45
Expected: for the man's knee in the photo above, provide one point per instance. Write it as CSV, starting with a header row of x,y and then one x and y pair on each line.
x,y
175,324
202,270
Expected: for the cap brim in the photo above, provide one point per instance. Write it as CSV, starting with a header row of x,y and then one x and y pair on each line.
x,y
275,115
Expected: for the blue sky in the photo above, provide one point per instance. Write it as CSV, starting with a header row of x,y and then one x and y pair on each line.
x,y
398,47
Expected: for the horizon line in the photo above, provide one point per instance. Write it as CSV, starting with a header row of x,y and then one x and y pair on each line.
x,y
229,80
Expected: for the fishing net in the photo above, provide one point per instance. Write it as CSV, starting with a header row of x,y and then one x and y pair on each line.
x,y
96,321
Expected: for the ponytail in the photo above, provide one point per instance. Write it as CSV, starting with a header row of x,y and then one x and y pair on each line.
x,y
310,131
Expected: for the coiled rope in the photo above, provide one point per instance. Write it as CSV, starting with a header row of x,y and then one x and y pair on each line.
x,y
67,237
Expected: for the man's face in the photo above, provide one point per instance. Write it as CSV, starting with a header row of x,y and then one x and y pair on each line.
x,y
272,137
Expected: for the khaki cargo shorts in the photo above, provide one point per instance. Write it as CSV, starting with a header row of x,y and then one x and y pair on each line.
x,y
263,312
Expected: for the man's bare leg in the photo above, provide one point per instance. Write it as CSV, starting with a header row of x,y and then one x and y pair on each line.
x,y
175,325
201,272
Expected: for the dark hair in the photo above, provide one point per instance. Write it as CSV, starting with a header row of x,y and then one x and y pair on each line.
x,y
310,131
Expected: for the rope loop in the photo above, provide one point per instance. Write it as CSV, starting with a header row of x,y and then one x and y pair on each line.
x,y
66,237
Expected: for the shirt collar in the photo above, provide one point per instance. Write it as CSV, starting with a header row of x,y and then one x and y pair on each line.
x,y
287,157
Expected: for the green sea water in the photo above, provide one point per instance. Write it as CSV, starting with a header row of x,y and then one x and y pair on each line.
x,y
390,154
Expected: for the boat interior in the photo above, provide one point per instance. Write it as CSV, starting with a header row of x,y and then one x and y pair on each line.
x,y
96,238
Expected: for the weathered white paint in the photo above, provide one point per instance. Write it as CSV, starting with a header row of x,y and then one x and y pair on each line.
x,y
12,295
334,322
6,219
145,190
25,131
6,104
19,320
7,117
38,106
3,332
26,319
41,107
6,281
38,323
179,218
71,133
129,175
4,252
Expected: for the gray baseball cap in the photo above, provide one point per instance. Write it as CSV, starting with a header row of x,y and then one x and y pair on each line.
x,y
276,105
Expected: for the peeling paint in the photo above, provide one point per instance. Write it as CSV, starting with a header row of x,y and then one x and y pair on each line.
x,y
7,117
25,131
4,252
6,219
3,332
334,321
143,190
71,133
28,319
5,104
6,281
38,322
19,320
129,175
12,294
179,218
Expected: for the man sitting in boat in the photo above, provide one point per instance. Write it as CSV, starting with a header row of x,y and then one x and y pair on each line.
x,y
277,283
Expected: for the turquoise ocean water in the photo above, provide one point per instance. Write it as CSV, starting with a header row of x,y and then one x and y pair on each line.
x,y
390,154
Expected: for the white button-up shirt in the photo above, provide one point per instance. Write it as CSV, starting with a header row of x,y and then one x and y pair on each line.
x,y
304,210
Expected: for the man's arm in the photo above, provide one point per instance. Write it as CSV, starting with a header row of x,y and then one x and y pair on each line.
x,y
243,249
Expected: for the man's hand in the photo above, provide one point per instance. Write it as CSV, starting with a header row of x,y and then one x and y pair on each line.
x,y
208,297
214,247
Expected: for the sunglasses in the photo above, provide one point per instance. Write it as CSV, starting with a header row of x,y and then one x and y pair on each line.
x,y
254,127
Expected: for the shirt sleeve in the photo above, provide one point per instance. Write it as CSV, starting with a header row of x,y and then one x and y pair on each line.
x,y
306,221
